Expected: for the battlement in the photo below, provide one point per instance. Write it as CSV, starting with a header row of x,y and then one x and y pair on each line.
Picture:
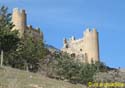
x,y
37,29
19,11
87,33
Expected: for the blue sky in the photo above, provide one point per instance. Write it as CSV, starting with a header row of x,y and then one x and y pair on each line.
x,y
64,18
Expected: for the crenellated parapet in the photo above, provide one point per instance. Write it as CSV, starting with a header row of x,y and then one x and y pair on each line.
x,y
34,32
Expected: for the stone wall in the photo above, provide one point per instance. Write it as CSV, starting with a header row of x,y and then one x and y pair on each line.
x,y
19,18
85,49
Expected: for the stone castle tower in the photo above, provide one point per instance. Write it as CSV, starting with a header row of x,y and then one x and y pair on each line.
x,y
85,49
19,19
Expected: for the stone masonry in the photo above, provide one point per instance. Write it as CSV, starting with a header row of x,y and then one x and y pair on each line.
x,y
19,19
85,49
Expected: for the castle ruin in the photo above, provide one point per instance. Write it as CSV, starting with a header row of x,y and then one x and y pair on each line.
x,y
19,19
85,49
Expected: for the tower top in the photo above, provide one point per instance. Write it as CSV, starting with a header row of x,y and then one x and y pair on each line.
x,y
15,9
19,10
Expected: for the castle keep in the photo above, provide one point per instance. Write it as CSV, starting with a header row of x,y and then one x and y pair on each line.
x,y
85,49
19,19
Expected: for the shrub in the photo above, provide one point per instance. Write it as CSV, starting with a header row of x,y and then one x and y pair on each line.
x,y
64,67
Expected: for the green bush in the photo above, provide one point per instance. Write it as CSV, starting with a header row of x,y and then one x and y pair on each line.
x,y
27,55
65,67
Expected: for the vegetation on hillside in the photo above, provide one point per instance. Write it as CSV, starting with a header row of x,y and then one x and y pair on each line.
x,y
22,53
27,54
8,39
64,67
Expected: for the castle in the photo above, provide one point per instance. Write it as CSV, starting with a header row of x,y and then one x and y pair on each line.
x,y
85,49
19,19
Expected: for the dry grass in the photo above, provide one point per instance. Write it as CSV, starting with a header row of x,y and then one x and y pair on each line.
x,y
14,78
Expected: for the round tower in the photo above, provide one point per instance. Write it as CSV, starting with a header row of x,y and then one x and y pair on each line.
x,y
95,45
19,20
91,45
23,19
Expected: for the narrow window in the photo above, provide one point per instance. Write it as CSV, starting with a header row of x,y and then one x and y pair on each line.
x,y
80,49
73,55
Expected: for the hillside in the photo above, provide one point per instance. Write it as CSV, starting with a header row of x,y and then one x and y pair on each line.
x,y
111,76
14,78
51,48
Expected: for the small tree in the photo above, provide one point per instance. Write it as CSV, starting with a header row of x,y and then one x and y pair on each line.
x,y
8,38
